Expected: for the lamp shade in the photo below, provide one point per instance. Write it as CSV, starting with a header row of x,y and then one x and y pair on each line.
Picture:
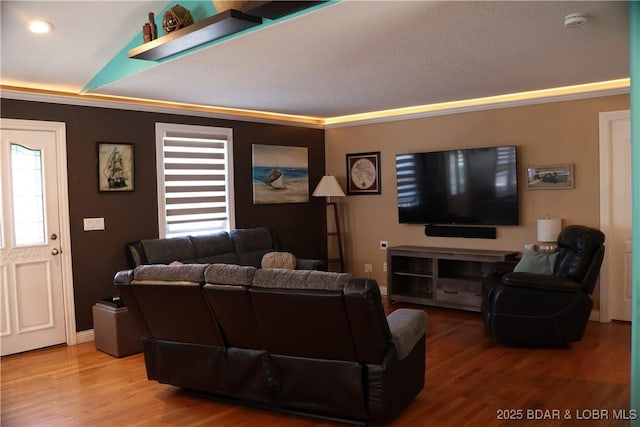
x,y
548,229
328,187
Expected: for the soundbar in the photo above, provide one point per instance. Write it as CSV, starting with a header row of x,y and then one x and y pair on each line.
x,y
460,231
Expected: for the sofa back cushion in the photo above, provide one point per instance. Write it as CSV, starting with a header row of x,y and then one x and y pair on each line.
x,y
577,248
303,323
214,248
172,304
367,320
300,279
227,295
228,274
165,251
171,274
251,244
302,313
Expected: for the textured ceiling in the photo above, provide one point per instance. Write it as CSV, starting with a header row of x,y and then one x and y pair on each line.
x,y
346,58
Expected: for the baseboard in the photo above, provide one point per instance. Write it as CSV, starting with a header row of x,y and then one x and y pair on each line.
x,y
85,336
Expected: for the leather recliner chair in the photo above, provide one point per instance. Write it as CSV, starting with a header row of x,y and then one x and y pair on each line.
x,y
528,309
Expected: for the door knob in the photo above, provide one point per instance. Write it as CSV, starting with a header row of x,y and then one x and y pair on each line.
x,y
55,251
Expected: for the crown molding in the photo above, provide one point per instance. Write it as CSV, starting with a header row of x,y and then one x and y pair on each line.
x,y
153,106
569,93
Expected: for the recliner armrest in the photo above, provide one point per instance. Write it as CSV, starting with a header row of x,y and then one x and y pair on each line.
x,y
407,327
540,281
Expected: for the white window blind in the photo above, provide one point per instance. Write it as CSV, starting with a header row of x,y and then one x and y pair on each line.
x,y
195,179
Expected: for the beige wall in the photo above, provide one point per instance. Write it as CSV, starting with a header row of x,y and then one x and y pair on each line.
x,y
551,133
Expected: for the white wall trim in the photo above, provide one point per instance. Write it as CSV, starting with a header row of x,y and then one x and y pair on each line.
x,y
85,336
606,203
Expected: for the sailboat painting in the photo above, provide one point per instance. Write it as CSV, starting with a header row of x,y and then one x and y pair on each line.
x,y
115,167
280,174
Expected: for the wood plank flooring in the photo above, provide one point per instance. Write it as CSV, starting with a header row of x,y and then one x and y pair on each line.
x,y
469,382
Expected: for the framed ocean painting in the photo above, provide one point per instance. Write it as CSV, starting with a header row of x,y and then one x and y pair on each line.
x,y
280,174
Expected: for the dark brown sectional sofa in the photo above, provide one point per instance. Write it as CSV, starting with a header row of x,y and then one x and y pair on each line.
x,y
243,246
299,341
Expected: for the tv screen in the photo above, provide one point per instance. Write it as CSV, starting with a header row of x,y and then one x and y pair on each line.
x,y
468,186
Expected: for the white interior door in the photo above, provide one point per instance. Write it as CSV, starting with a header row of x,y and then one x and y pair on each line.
x,y
31,266
615,215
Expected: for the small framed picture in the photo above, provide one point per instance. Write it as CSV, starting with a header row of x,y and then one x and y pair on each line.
x,y
115,167
551,177
363,173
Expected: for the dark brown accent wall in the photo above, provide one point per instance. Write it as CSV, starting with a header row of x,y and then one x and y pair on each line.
x,y
97,255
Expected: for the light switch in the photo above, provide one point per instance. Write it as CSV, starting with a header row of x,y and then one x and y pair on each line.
x,y
91,224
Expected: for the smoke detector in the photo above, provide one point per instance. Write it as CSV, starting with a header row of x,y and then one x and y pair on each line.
x,y
573,20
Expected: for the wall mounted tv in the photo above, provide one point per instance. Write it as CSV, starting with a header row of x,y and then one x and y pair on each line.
x,y
477,186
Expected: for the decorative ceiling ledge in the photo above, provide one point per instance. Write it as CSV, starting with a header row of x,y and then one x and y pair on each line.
x,y
567,93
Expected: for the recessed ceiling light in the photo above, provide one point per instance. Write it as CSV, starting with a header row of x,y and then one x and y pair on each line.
x,y
39,27
573,20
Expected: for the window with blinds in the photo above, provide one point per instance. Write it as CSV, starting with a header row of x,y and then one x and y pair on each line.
x,y
195,179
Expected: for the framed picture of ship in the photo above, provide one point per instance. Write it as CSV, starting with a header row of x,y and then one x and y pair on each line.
x,y
115,167
280,174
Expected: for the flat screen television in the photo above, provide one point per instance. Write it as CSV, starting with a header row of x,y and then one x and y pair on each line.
x,y
476,186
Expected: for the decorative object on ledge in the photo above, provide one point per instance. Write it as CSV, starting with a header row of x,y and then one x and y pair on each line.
x,y
328,187
548,230
152,26
175,18
115,167
550,177
217,26
146,33
363,173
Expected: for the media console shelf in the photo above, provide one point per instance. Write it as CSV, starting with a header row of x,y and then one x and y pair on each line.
x,y
445,277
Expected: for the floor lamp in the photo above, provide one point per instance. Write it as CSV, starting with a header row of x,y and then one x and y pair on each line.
x,y
328,187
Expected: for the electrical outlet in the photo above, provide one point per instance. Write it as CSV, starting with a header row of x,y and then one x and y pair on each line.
x,y
384,266
384,244
368,268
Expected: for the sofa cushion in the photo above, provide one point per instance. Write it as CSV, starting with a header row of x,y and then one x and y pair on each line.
x,y
226,274
284,260
228,258
251,244
300,279
164,251
251,239
193,273
212,244
536,262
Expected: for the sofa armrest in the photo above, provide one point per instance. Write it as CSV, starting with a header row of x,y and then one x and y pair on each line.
x,y
135,254
407,328
124,277
311,264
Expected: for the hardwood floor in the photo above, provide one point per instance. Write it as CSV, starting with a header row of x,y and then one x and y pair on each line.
x,y
469,382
